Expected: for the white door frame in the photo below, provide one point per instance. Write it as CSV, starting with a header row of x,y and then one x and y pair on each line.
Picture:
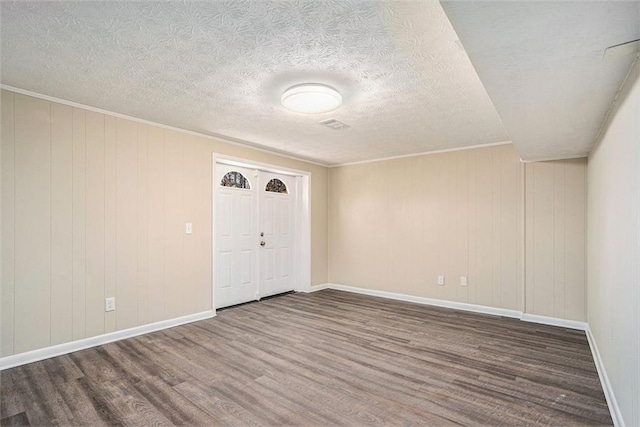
x,y
302,219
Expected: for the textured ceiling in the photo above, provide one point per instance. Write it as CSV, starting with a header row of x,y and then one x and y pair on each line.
x,y
220,67
542,65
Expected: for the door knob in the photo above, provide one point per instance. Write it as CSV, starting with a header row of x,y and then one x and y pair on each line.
x,y
262,243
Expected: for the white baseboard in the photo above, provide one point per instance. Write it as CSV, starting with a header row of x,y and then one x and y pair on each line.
x,y
428,301
319,287
60,349
516,314
616,414
554,321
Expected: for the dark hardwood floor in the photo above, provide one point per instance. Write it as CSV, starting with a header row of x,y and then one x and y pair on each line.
x,y
327,358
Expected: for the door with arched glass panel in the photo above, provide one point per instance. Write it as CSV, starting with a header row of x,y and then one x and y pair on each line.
x,y
236,236
276,201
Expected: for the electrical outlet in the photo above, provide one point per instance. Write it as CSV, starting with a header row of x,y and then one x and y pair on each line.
x,y
463,281
110,304
441,280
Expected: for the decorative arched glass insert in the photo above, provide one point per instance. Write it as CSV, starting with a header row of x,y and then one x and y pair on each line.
x,y
276,186
235,180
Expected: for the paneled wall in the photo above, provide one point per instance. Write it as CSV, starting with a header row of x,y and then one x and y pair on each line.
x,y
396,225
556,203
614,247
95,206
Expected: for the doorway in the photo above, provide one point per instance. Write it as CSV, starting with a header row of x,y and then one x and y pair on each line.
x,y
261,233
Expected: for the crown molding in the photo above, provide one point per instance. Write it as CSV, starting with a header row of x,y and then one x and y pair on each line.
x,y
422,153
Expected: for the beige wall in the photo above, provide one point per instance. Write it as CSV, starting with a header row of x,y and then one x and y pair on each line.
x,y
396,225
556,238
95,206
614,247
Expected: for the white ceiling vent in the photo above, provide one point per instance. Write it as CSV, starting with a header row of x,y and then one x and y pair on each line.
x,y
334,124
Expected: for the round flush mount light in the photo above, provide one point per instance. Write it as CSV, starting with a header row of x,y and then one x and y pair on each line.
x,y
311,98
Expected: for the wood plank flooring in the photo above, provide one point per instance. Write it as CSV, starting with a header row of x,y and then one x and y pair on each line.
x,y
327,358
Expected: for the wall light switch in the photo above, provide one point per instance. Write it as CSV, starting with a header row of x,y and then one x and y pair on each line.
x,y
463,281
441,280
188,228
110,304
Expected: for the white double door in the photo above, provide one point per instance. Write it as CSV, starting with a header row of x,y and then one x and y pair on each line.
x,y
254,235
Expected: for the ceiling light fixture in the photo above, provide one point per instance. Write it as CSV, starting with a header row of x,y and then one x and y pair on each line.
x,y
311,98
